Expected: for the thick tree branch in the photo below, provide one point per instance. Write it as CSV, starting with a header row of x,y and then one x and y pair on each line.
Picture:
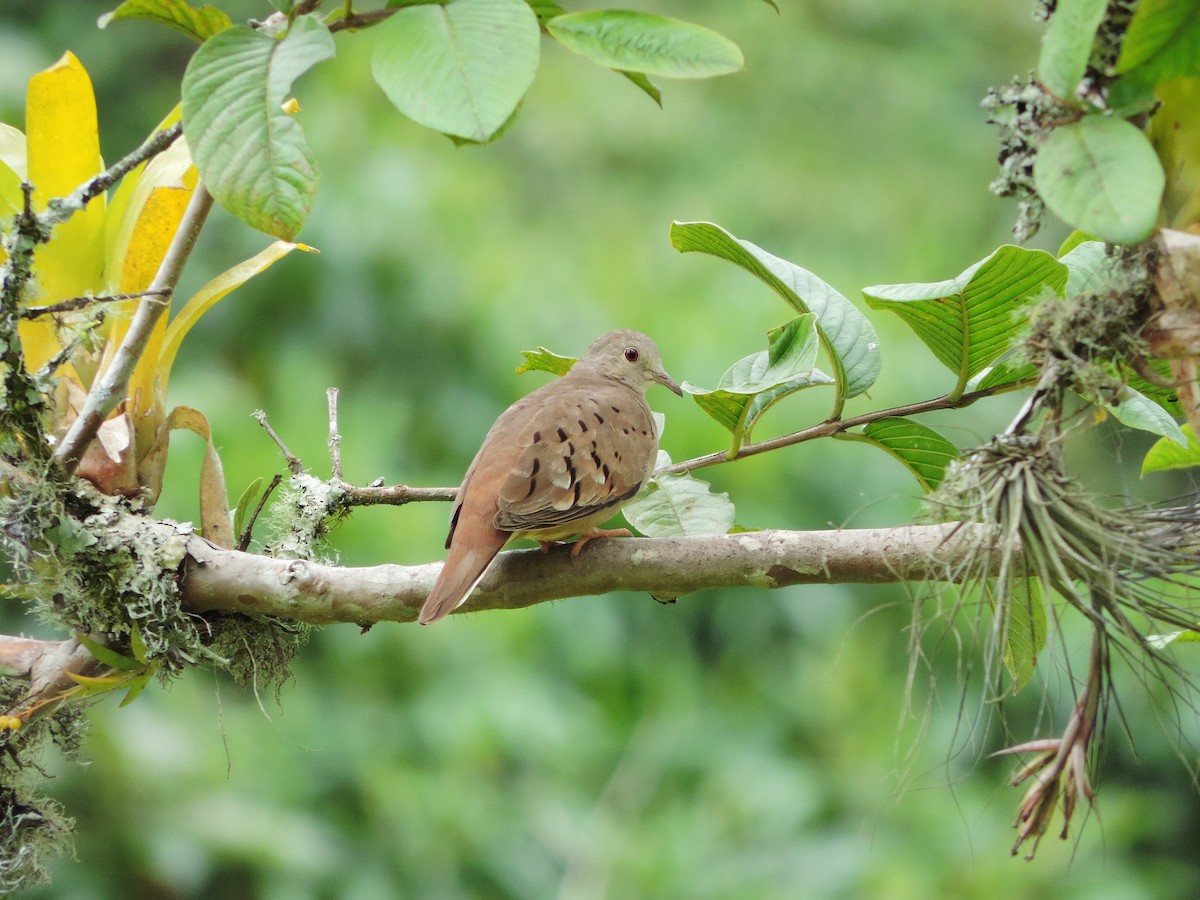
x,y
228,580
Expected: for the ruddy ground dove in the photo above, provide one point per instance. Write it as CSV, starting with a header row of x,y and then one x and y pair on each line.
x,y
556,464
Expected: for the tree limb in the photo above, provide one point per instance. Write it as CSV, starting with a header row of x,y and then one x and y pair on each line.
x,y
216,579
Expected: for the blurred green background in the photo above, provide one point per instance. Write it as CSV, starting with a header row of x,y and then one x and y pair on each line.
x,y
739,744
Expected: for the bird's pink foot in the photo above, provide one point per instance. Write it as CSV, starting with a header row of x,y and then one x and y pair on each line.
x,y
596,533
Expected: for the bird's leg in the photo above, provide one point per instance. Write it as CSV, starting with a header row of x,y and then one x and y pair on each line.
x,y
596,533
546,545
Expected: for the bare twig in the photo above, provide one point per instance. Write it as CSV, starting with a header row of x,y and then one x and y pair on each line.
x,y
837,426
335,438
61,209
394,494
294,463
109,388
34,312
244,539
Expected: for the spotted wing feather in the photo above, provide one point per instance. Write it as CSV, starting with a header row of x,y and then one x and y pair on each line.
x,y
587,452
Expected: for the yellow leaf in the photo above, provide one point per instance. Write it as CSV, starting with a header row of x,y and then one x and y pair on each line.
x,y
170,169
150,237
63,151
207,297
214,500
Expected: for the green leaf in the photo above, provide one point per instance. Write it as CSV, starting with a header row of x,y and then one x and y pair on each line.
x,y
751,385
136,685
1025,629
1088,268
109,656
673,505
970,321
1138,411
542,360
197,23
1167,454
643,42
1101,174
251,154
137,646
1074,239
1174,133
922,450
1162,41
545,9
848,338
250,495
460,68
1002,373
1068,44
646,86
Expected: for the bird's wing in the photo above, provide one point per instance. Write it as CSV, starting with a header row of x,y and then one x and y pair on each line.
x,y
581,452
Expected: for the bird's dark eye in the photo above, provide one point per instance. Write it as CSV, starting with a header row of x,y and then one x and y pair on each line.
x,y
631,354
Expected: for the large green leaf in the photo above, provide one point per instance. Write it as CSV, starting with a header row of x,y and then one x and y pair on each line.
x,y
969,321
460,68
251,154
1101,174
1068,44
918,447
1136,410
643,42
197,23
1162,41
673,505
751,385
847,336
1167,454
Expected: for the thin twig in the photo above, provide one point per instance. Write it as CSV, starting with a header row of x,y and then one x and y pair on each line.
x,y
109,388
394,494
34,312
366,19
335,438
243,543
294,463
832,427
60,209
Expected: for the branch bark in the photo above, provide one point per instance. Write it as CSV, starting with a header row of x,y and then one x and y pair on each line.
x,y
216,579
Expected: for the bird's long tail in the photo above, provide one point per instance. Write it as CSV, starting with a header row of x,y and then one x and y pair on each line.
x,y
471,551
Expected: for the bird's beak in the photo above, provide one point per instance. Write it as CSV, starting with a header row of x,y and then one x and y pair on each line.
x,y
667,381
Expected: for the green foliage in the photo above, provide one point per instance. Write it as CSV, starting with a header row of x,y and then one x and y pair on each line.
x,y
753,384
923,451
1169,453
1067,46
251,154
197,23
461,68
847,337
641,42
1101,175
673,505
542,360
970,321
1162,43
